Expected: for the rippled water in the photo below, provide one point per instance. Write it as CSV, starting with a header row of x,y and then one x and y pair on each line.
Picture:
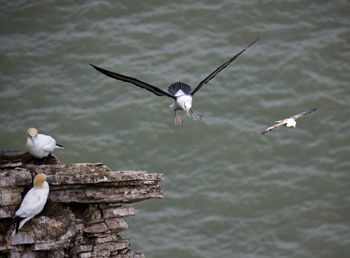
x,y
229,192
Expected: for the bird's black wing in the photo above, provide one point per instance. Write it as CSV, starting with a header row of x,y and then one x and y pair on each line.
x,y
303,113
16,220
134,81
220,68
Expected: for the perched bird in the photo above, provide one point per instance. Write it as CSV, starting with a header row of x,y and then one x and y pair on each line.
x,y
180,92
288,122
33,203
40,145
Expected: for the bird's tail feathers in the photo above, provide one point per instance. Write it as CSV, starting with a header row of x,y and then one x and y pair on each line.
x,y
175,87
58,146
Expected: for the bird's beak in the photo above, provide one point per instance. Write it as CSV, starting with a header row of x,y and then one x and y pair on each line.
x,y
187,113
50,178
32,137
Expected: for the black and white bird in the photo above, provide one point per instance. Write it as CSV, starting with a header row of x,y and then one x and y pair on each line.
x,y
288,122
33,203
180,92
40,145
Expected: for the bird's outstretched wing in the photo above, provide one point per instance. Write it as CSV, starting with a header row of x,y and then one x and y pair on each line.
x,y
134,81
303,113
283,122
220,68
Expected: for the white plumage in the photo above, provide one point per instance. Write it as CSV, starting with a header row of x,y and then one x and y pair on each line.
x,y
183,102
33,203
40,145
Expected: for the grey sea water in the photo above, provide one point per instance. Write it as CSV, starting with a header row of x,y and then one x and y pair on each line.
x,y
228,191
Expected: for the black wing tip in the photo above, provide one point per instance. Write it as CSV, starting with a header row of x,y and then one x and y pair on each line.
x,y
17,227
94,66
59,145
309,111
97,68
101,70
16,220
254,41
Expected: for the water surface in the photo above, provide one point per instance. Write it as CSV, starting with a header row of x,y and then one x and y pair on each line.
x,y
228,191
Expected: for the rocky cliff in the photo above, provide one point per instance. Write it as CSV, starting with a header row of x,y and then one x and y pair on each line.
x,y
84,213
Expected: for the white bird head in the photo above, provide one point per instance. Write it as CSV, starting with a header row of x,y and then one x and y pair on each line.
x,y
32,133
291,123
185,103
188,106
39,179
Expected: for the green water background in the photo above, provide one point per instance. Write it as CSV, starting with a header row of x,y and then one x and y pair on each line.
x,y
228,191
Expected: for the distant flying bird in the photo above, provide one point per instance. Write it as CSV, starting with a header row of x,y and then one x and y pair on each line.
x,y
40,145
288,122
33,203
180,92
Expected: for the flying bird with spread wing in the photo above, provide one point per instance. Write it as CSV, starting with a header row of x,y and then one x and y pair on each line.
x,y
180,92
288,122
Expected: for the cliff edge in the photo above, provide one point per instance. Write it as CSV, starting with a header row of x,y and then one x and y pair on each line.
x,y
84,213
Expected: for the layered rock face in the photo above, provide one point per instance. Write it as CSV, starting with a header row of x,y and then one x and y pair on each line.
x,y
84,213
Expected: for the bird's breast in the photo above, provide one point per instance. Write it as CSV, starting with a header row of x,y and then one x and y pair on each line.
x,y
183,99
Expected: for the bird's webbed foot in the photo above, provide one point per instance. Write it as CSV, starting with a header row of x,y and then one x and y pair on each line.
x,y
196,116
178,120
